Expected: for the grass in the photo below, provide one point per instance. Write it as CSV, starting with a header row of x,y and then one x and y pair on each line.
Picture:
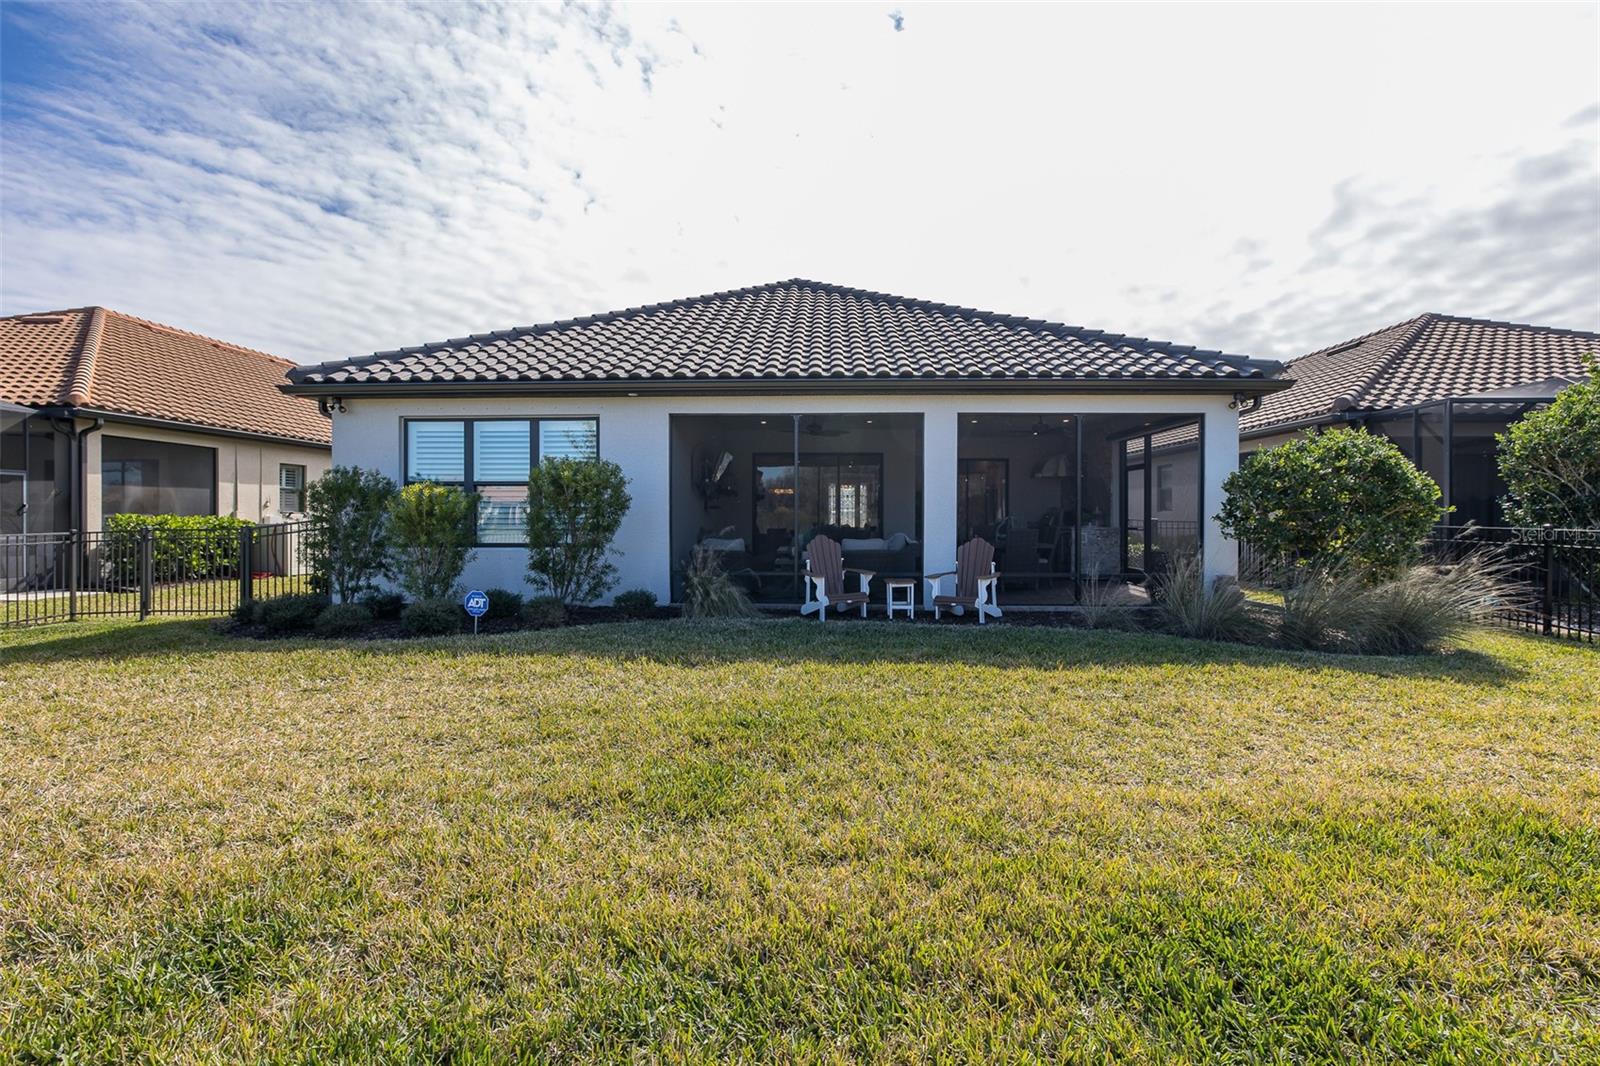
x,y
213,596
781,840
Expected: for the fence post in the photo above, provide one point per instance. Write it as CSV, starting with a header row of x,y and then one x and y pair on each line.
x,y
1547,536
146,567
247,585
74,546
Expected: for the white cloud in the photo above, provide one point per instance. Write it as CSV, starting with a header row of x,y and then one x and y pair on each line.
x,y
325,181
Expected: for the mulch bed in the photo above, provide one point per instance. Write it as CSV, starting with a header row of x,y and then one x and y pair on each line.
x,y
391,629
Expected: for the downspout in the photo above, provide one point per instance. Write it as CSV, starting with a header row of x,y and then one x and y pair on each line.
x,y
80,495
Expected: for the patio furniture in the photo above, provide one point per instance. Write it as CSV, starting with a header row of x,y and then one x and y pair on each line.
x,y
1022,554
977,582
906,601
825,580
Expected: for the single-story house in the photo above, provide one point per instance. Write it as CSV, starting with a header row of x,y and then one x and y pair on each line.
x,y
749,421
102,413
1439,386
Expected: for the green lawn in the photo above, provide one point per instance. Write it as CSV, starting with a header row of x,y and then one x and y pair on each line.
x,y
784,840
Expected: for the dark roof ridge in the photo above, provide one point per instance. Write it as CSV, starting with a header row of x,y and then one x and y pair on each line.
x,y
1351,397
1404,323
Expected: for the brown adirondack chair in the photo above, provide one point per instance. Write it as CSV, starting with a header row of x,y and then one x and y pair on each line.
x,y
825,580
977,582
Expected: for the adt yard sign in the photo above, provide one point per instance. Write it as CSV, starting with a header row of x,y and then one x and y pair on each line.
x,y
477,605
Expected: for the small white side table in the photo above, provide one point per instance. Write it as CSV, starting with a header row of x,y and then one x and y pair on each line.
x,y
906,601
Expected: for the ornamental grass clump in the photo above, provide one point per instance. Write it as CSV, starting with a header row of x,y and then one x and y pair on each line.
x,y
1107,605
1427,607
708,591
1188,609
1325,609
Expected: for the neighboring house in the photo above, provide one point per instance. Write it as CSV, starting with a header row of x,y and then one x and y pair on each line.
x,y
102,413
1440,387
749,421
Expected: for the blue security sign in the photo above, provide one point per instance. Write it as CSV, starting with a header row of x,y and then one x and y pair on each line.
x,y
477,603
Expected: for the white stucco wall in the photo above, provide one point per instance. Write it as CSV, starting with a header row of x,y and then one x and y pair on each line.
x,y
635,434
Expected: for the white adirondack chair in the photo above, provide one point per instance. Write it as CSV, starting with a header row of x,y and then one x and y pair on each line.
x,y
977,582
825,580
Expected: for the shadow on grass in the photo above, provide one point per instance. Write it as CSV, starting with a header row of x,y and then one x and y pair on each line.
x,y
764,641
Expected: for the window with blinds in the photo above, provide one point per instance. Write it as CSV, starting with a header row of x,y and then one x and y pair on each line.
x,y
291,488
492,457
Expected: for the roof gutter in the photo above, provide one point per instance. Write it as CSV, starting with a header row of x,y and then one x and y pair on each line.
x,y
785,386
193,427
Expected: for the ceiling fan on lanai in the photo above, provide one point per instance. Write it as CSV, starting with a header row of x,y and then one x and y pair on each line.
x,y
815,428
1041,428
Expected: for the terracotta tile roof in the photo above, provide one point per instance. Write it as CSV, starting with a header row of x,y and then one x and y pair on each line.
x,y
1430,357
796,330
113,363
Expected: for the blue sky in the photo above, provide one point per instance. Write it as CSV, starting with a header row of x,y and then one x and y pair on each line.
x,y
329,180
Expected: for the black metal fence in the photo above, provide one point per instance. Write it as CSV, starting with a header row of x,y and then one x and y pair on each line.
x,y
1552,576
62,577
1555,573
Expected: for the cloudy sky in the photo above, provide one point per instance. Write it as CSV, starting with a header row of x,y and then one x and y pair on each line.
x,y
322,181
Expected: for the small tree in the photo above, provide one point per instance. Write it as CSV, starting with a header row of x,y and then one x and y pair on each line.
x,y
1340,498
1550,459
574,509
344,543
430,533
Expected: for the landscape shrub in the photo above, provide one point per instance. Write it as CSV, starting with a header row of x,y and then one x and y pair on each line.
x,y
1550,460
290,614
503,603
1339,498
384,605
574,509
431,617
1188,610
247,612
182,547
635,603
344,545
342,620
544,612
430,533
708,592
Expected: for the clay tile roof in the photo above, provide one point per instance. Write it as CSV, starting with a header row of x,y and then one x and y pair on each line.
x,y
1430,357
115,364
794,329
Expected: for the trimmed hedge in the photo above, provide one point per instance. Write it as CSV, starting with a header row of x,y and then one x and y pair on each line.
x,y
430,618
342,620
183,547
544,612
290,614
